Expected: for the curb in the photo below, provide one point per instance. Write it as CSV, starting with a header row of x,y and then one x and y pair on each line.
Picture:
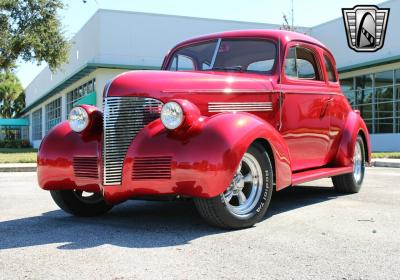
x,y
15,168
385,163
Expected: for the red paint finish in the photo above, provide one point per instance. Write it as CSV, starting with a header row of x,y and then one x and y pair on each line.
x,y
309,129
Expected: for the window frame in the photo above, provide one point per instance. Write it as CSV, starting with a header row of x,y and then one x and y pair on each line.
x,y
327,55
299,81
169,59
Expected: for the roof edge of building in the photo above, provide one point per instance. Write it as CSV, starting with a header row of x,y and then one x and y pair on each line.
x,y
369,64
80,73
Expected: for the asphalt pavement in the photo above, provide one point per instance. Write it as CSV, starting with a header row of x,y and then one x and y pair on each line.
x,y
310,232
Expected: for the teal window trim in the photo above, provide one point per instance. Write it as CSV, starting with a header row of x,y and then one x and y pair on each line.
x,y
88,99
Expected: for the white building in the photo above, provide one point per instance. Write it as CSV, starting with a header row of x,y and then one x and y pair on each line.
x,y
112,42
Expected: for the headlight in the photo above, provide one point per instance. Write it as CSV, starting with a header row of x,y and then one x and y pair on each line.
x,y
78,119
172,115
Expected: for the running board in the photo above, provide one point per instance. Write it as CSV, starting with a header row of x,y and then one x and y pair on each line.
x,y
315,174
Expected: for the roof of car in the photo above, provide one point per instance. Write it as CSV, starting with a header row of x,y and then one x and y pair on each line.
x,y
282,35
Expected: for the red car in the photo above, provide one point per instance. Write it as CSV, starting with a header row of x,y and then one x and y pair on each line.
x,y
230,117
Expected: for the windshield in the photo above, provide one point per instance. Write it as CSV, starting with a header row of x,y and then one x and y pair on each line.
x,y
241,55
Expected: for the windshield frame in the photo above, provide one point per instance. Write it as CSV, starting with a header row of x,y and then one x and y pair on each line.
x,y
218,40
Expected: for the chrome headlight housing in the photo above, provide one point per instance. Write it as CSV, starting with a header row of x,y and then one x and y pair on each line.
x,y
172,115
78,119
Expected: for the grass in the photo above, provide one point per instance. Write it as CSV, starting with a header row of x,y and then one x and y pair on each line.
x,y
386,155
22,155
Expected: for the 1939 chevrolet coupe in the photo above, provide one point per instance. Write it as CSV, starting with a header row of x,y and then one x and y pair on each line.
x,y
229,118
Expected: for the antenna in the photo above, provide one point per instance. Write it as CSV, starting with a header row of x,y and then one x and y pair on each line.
x,y
292,16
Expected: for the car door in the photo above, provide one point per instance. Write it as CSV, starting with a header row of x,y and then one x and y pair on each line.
x,y
305,102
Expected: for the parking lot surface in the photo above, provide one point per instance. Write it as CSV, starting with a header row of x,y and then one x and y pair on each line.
x,y
310,232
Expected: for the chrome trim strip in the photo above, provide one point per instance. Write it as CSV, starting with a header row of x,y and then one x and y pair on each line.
x,y
214,107
219,91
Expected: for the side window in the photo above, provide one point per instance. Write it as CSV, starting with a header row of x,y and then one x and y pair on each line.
x,y
290,63
261,66
301,64
306,64
330,70
181,63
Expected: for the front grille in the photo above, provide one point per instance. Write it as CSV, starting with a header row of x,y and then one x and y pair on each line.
x,y
124,117
148,168
85,167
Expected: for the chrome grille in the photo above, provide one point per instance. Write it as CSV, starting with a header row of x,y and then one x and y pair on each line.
x,y
124,117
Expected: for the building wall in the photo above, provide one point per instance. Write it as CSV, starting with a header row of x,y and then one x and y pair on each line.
x,y
332,34
84,49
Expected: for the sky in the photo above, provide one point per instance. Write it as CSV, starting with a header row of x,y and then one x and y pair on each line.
x,y
306,13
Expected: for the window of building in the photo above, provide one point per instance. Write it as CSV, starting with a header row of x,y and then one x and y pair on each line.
x,y
377,96
37,125
53,113
79,92
330,70
383,101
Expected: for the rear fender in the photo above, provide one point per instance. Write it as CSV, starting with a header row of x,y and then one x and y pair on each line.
x,y
353,127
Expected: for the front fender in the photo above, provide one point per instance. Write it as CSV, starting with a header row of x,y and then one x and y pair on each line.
x,y
353,127
55,160
204,158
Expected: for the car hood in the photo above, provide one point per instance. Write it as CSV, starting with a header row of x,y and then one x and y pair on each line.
x,y
165,85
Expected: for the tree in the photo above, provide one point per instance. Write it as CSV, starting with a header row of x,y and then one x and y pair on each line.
x,y
30,30
12,97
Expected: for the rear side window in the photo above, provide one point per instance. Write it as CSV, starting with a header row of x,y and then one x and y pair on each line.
x,y
330,70
182,62
300,63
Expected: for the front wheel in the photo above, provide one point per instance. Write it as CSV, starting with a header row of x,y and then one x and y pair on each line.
x,y
246,200
80,203
351,183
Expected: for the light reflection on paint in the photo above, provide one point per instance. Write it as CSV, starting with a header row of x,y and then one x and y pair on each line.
x,y
241,122
227,90
230,80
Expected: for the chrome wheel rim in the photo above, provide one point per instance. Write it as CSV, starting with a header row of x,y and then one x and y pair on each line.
x,y
357,163
87,197
244,192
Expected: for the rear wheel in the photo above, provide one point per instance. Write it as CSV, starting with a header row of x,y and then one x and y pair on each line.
x,y
352,182
80,203
246,200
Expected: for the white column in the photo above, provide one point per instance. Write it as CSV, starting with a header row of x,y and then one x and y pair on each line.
x,y
63,107
43,121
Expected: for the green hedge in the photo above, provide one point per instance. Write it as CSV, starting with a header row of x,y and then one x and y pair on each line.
x,y
15,144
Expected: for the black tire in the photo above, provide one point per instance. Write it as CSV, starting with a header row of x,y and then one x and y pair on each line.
x,y
351,183
217,211
73,202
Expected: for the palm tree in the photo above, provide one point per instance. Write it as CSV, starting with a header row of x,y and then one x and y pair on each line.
x,y
12,97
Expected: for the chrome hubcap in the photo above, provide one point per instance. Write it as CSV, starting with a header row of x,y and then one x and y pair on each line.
x,y
244,192
358,163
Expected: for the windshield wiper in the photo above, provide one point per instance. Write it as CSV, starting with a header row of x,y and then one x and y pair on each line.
x,y
229,68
